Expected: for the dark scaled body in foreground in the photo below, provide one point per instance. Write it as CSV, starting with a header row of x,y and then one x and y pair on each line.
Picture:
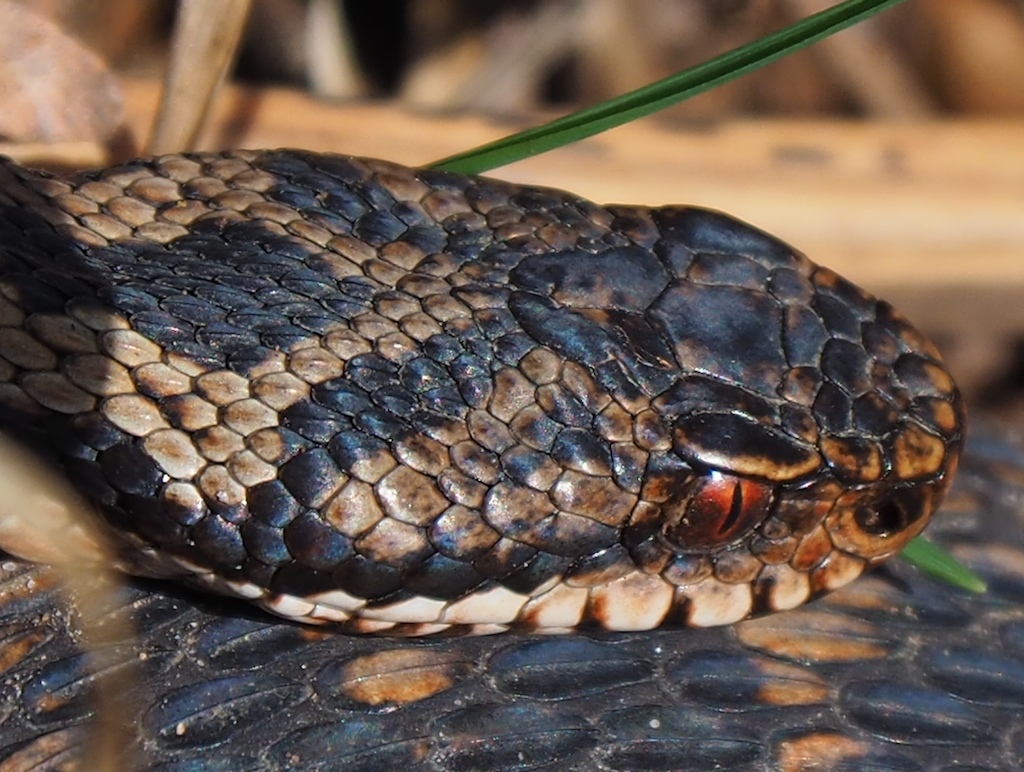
x,y
401,400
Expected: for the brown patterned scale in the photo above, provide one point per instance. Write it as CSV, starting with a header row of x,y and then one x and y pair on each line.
x,y
401,400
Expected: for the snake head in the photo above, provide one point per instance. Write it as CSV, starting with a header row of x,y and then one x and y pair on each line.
x,y
813,430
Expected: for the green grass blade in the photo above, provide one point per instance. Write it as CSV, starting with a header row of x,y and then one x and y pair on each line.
x,y
663,93
943,566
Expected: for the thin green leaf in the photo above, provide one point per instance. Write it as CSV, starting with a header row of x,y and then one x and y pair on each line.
x,y
943,566
663,93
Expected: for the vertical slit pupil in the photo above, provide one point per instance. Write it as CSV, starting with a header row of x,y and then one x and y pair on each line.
x,y
735,509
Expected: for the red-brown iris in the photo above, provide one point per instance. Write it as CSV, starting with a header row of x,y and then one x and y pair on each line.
x,y
718,510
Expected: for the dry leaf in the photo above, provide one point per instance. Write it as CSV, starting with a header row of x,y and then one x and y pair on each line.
x,y
52,89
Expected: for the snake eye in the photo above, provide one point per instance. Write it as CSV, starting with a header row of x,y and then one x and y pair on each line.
x,y
718,510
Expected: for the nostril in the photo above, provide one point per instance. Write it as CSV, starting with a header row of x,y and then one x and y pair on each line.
x,y
885,520
876,523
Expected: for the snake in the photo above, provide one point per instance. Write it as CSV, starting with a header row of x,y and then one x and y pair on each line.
x,y
407,401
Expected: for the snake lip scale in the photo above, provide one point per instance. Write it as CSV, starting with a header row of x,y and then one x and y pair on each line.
x,y
404,401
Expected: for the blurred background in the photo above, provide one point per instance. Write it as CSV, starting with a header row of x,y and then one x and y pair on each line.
x,y
921,58
893,152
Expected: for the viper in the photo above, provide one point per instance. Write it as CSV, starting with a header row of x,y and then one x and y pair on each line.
x,y
405,401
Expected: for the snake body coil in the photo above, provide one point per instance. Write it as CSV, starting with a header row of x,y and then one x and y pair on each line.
x,y
401,400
